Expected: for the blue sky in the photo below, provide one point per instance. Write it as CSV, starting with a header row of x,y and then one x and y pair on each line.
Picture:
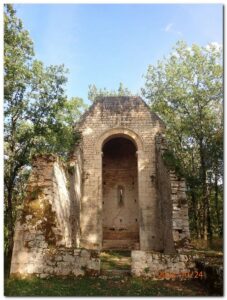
x,y
105,44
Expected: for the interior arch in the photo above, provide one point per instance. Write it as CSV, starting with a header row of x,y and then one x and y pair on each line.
x,y
120,193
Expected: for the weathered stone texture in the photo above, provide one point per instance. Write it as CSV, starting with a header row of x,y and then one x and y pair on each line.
x,y
62,261
75,187
45,223
173,201
180,209
163,266
47,206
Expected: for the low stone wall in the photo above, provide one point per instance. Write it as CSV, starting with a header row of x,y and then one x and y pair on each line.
x,y
163,266
55,262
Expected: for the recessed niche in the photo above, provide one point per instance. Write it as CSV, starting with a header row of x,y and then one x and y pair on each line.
x,y
120,192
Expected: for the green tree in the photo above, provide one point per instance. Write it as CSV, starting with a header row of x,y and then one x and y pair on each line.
x,y
94,92
38,115
186,90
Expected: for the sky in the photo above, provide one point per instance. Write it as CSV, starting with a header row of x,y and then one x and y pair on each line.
x,y
105,44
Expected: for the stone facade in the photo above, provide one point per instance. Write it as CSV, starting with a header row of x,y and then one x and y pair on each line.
x,y
127,118
116,191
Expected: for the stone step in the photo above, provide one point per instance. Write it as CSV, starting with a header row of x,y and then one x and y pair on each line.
x,y
120,244
120,235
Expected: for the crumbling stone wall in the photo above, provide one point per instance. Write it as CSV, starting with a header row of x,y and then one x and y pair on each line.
x,y
173,201
181,233
75,170
163,266
43,234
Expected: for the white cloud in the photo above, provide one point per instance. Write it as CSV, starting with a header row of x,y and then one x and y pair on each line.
x,y
169,28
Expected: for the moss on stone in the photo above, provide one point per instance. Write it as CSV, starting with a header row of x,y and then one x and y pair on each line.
x,y
43,218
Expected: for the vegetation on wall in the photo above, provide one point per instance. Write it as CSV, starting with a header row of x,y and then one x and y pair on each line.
x,y
186,91
94,92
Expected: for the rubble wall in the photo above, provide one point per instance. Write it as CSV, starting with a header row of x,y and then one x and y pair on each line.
x,y
163,266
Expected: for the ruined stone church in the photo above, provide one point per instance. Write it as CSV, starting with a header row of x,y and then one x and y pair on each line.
x,y
115,192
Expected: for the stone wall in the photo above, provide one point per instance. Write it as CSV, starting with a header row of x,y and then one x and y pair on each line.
x,y
75,178
44,230
173,201
180,210
62,261
163,266
164,196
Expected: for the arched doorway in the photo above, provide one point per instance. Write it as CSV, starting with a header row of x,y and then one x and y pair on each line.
x,y
120,194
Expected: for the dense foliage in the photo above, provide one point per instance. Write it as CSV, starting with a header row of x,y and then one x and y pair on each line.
x,y
38,115
186,90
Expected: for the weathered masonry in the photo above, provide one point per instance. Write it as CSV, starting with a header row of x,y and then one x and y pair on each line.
x,y
115,193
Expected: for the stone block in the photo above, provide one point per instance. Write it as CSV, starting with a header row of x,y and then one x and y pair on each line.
x,y
68,258
85,253
77,252
58,258
43,276
78,272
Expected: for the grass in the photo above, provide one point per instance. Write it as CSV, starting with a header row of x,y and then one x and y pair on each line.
x,y
216,244
91,286
120,260
104,286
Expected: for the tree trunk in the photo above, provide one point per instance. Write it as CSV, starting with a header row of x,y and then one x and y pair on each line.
x,y
216,201
207,230
9,220
195,215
